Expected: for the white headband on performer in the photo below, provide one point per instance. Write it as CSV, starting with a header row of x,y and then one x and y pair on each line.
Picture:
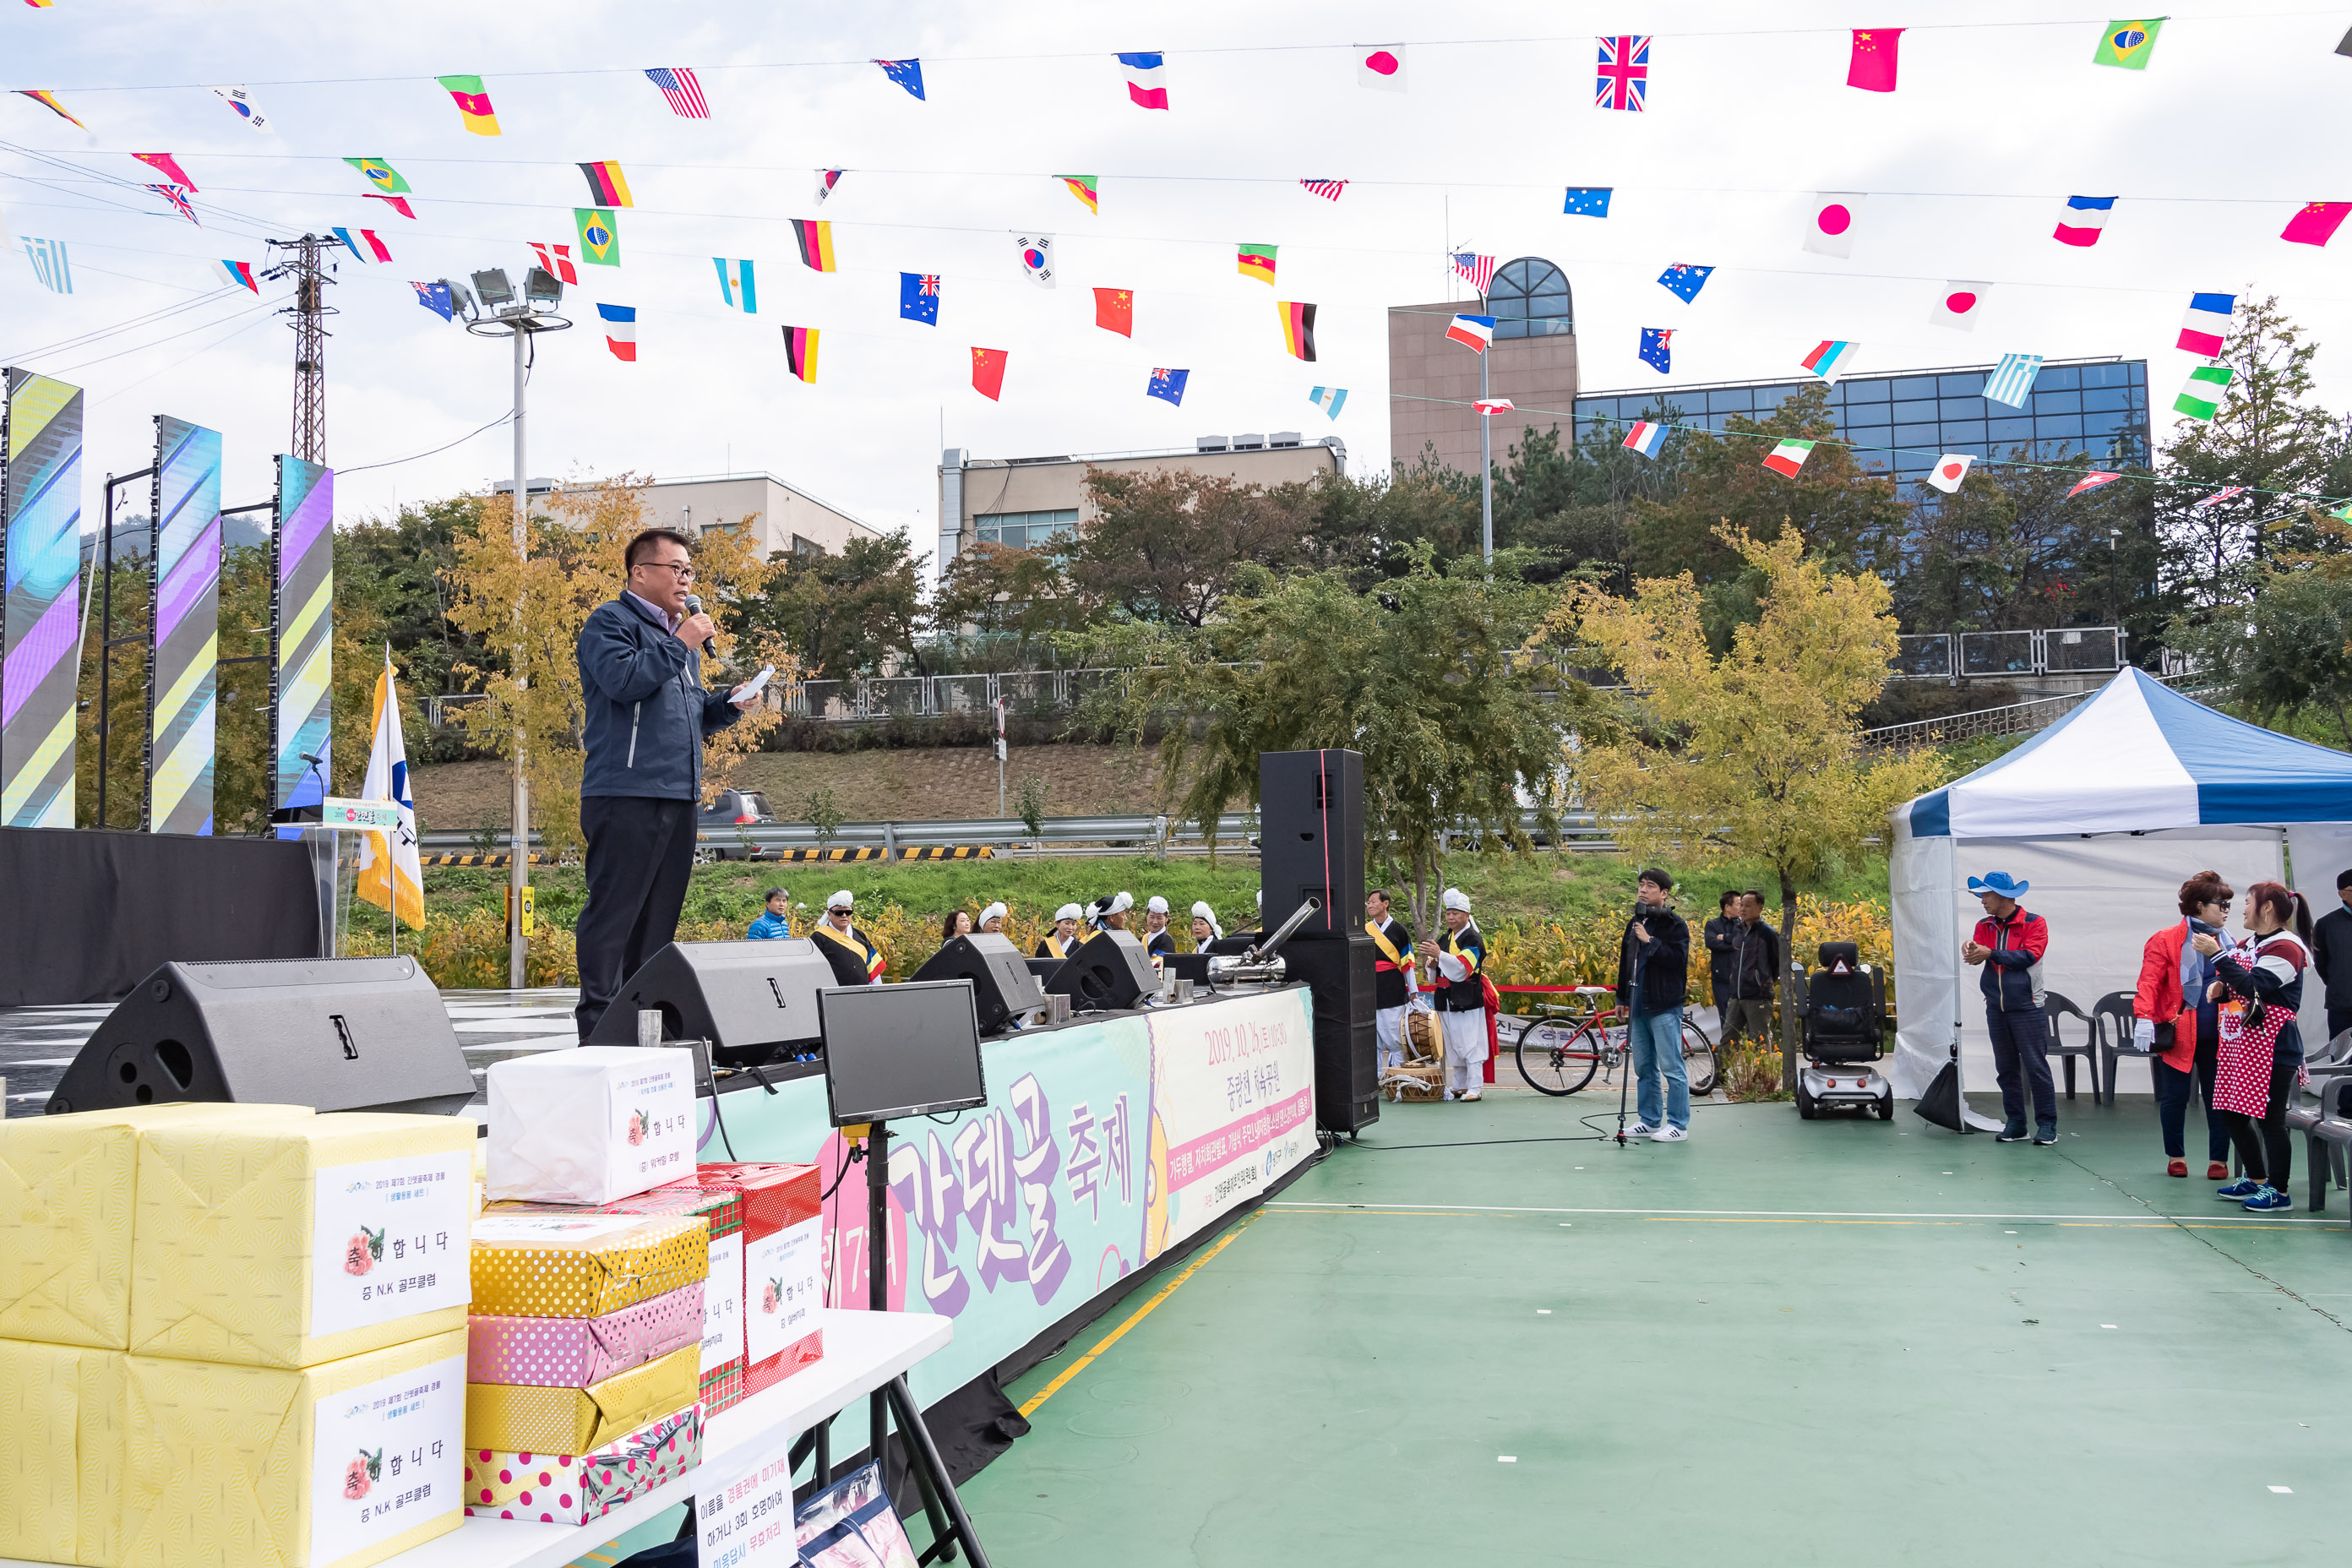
x,y
1202,911
993,912
1068,912
841,901
1158,906
1456,899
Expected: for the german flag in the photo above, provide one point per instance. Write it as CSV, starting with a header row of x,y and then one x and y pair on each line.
x,y
606,185
48,101
1256,261
815,236
800,352
473,102
1297,328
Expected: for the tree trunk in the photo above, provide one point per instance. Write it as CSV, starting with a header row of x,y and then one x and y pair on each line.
x,y
1421,897
1787,991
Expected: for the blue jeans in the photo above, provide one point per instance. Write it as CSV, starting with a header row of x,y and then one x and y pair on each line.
x,y
2020,1043
1657,1042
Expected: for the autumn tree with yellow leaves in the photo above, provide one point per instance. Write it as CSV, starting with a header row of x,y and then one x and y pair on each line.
x,y
528,612
1757,753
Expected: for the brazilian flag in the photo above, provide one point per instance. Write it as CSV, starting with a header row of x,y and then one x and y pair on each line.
x,y
600,237
382,176
2128,42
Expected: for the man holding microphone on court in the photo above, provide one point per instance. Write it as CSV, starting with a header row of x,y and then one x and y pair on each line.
x,y
646,717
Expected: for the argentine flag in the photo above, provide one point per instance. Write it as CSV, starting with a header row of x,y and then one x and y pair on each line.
x,y
390,876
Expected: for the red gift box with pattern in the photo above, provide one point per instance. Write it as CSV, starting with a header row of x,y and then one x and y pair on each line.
x,y
783,1247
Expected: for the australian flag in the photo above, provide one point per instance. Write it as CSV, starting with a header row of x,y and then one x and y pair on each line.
x,y
434,297
908,74
1588,201
919,296
1684,282
1654,352
1167,384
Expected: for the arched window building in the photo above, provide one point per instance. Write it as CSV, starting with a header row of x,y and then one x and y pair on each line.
x,y
1533,361
1530,300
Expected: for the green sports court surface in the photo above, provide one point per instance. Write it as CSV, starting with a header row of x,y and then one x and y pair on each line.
x,y
1782,1341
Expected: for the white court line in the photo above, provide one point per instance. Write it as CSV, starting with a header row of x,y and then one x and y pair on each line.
x,y
1789,1214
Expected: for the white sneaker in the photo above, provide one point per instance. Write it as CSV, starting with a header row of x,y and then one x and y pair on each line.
x,y
1641,1130
1471,1095
1670,1135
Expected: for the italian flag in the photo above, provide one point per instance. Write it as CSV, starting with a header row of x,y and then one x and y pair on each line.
x,y
2201,398
1789,457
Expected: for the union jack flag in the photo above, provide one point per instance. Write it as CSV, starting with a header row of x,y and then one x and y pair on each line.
x,y
684,94
1328,189
1478,269
1624,81
2220,496
178,197
930,284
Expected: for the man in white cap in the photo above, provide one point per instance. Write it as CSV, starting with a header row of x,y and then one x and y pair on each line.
x,y
991,919
855,958
1159,942
1461,960
1063,940
1392,976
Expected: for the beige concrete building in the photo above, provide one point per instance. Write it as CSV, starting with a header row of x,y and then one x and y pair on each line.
x,y
780,517
1432,380
1022,502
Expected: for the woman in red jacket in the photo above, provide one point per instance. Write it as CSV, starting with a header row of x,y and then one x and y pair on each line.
x,y
2172,1003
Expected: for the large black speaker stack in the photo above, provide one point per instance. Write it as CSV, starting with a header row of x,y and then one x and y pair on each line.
x,y
334,1034
1311,838
1002,984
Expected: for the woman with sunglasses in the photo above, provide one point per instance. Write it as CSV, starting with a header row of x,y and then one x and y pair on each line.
x,y
2179,1024
2261,1050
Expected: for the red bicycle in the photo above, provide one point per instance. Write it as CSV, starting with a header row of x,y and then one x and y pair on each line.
x,y
1561,1048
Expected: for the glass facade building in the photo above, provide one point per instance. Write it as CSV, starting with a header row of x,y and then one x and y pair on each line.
x,y
1902,423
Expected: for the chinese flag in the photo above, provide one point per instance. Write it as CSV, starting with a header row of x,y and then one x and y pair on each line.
x,y
1873,66
2316,223
1115,310
988,372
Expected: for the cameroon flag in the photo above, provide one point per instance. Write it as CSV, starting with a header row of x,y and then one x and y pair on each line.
x,y
1257,261
473,103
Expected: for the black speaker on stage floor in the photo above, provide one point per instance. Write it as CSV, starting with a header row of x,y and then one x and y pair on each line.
x,y
334,1034
1310,812
1341,976
1108,971
752,1000
1002,984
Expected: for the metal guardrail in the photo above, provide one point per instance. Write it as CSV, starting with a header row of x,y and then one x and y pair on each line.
x,y
1151,834
2016,719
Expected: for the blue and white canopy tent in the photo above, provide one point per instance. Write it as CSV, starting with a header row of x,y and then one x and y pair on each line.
x,y
2106,814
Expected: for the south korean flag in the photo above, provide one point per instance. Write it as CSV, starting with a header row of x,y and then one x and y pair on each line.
x,y
1036,253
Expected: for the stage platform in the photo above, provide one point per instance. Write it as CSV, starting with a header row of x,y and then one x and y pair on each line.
x,y
38,1044
1780,1342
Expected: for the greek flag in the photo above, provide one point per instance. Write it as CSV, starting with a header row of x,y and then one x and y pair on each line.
x,y
49,259
2012,379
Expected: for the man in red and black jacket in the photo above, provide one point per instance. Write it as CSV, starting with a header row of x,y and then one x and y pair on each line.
x,y
2010,943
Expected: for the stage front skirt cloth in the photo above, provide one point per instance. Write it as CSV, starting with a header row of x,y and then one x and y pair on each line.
x,y
1103,1145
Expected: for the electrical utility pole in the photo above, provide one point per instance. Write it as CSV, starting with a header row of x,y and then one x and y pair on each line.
x,y
309,312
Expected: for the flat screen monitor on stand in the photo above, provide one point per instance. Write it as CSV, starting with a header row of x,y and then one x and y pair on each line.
x,y
891,1051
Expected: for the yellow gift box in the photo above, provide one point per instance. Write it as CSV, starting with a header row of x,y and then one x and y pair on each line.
x,y
583,1265
331,1466
519,1418
288,1243
67,1189
60,1452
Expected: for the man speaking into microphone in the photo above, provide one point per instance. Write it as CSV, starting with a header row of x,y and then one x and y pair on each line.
x,y
641,783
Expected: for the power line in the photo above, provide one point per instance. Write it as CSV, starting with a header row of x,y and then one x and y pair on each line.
x,y
395,462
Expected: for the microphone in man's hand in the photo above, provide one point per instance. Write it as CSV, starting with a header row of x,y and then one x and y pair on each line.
x,y
694,608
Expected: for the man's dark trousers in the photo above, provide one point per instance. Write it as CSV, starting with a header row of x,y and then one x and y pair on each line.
x,y
2022,1040
640,859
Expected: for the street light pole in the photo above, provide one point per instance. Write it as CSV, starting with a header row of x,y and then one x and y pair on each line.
x,y
1485,465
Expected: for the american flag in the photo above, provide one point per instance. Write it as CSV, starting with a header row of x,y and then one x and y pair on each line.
x,y
1328,189
684,94
1623,79
1479,269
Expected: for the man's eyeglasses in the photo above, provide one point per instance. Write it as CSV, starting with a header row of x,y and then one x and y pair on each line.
x,y
684,569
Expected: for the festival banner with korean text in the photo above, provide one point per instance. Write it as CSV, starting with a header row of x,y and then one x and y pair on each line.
x,y
1103,1145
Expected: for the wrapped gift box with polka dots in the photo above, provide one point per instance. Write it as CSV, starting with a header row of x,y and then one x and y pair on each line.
x,y
583,1265
572,1489
573,1352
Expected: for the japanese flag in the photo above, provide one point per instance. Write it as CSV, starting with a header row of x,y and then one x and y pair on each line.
x,y
1949,470
1835,214
1958,306
1380,69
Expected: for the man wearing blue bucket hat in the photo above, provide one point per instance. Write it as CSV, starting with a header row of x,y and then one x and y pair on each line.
x,y
2010,943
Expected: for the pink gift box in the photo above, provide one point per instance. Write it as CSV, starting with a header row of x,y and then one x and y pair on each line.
x,y
573,1352
572,1489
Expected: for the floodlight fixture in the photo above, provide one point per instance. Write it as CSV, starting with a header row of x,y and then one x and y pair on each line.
x,y
542,289
496,292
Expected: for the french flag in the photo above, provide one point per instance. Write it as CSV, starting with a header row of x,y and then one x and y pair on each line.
x,y
1646,438
620,330
1146,79
2207,324
2080,222
1472,332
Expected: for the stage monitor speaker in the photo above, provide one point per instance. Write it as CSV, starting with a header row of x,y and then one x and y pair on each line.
x,y
334,1034
752,1000
1310,812
1342,981
1043,969
1107,973
1001,986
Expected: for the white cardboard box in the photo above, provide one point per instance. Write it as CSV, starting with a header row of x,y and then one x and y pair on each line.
x,y
591,1125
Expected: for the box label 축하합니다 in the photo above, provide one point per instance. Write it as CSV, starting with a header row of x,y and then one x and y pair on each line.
x,y
388,1238
783,1283
384,1455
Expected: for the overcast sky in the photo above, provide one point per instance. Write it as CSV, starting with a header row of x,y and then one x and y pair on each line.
x,y
2240,117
